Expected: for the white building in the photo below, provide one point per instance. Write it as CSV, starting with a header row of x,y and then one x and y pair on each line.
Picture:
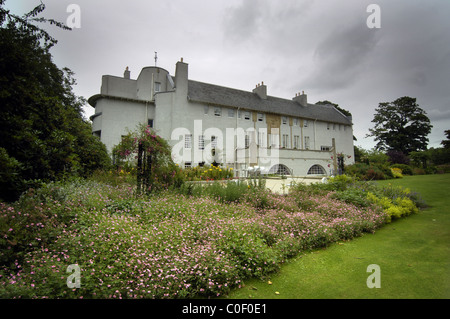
x,y
207,123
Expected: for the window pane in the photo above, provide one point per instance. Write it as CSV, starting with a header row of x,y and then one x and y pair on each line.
x,y
188,141
201,142
316,170
260,117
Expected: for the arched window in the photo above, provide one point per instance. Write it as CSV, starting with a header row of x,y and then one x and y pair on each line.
x,y
280,169
316,170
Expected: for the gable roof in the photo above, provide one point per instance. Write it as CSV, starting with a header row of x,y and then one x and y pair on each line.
x,y
234,98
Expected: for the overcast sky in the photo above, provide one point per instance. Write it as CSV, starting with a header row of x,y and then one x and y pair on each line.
x,y
324,48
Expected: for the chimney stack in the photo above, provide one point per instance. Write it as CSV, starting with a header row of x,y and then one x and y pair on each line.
x,y
181,77
261,90
126,74
301,99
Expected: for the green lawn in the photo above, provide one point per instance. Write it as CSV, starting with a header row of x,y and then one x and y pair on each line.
x,y
413,254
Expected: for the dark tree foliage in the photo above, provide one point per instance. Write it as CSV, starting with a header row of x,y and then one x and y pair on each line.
x,y
397,157
343,111
43,135
401,125
446,143
337,107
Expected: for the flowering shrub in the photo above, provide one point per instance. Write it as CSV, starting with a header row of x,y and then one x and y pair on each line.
x,y
151,156
396,172
395,208
206,173
165,245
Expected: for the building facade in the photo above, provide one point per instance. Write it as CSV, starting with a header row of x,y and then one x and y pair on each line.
x,y
207,123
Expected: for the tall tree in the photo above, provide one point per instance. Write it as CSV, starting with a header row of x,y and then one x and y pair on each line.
x,y
337,107
401,125
343,111
43,134
446,143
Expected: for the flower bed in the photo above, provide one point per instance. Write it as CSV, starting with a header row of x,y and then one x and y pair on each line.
x,y
163,246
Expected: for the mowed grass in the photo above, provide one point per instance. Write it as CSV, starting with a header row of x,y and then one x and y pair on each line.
x,y
413,254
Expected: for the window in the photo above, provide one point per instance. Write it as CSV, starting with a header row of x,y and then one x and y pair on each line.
x,y
150,122
280,169
325,148
247,115
305,123
284,119
247,141
307,142
285,141
230,113
296,122
213,141
260,117
296,141
201,142
206,109
274,140
157,86
316,170
217,111
188,141
261,139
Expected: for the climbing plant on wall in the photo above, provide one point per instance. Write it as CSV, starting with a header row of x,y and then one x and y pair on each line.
x,y
151,154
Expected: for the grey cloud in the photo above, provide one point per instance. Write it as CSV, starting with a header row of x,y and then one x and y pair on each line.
x,y
341,58
242,22
322,47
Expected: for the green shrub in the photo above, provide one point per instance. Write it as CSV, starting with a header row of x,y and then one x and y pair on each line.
x,y
418,171
406,169
227,192
368,172
396,172
443,169
11,183
395,208
355,196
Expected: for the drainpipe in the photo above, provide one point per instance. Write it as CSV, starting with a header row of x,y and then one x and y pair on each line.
x,y
146,113
333,143
315,134
235,144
